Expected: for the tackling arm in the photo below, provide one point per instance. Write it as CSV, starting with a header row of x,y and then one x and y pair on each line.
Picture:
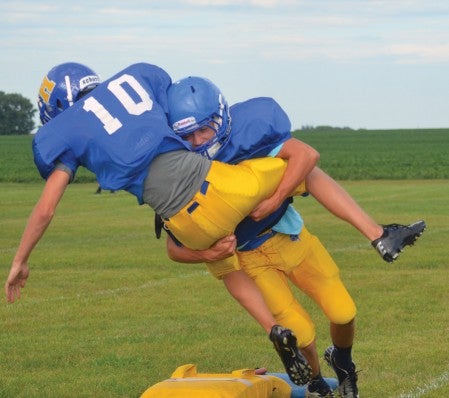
x,y
220,250
301,159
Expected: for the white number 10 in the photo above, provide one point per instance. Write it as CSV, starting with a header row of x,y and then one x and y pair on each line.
x,y
112,124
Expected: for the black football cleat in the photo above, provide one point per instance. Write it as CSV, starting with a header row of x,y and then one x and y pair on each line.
x,y
295,364
396,237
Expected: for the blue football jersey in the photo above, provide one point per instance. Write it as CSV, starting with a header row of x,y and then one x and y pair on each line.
x,y
258,126
115,131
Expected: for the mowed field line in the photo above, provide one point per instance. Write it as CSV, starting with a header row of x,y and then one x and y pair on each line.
x,y
434,384
113,292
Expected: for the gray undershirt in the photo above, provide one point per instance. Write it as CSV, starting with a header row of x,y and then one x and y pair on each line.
x,y
173,179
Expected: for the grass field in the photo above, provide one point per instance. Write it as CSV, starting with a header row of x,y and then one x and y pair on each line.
x,y
106,314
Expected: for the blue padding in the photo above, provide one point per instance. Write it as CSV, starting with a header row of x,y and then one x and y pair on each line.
x,y
204,187
192,207
300,391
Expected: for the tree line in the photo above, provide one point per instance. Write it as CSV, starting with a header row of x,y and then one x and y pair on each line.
x,y
17,117
16,114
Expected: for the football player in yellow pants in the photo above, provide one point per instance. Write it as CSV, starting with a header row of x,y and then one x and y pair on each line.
x,y
201,200
287,251
223,202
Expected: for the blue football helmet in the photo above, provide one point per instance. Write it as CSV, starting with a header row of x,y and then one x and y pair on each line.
x,y
195,102
62,86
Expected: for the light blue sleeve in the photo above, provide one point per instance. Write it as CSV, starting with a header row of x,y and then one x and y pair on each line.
x,y
291,222
276,150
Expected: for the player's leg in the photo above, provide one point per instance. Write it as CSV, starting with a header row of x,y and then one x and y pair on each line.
x,y
263,265
246,292
276,259
266,266
388,240
318,277
288,313
338,201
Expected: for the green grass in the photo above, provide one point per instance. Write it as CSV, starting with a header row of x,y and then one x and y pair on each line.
x,y
106,314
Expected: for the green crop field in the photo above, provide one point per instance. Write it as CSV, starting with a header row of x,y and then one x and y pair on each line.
x,y
105,313
383,154
346,155
16,161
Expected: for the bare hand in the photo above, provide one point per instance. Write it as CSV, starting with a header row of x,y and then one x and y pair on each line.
x,y
264,209
222,248
17,278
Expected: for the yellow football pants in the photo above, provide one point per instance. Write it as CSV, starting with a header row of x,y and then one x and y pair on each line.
x,y
310,267
229,194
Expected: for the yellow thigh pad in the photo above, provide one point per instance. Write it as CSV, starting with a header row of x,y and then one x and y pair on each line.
x,y
233,191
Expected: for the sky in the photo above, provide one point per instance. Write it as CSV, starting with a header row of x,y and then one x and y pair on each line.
x,y
365,64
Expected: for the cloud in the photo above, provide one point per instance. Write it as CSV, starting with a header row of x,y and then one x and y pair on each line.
x,y
420,53
241,3
243,43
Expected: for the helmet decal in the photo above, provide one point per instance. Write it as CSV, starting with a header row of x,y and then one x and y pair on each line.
x,y
62,87
46,89
88,81
188,122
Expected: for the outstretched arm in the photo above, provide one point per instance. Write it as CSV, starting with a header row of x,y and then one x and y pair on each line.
x,y
38,222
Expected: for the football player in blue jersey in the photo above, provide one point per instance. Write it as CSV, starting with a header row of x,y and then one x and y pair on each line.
x,y
118,130
280,247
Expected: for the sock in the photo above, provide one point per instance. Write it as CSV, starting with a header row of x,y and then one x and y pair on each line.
x,y
318,384
343,359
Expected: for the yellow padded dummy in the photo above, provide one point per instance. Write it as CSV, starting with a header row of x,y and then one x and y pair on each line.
x,y
185,382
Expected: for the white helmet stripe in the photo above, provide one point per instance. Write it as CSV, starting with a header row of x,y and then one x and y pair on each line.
x,y
222,105
69,90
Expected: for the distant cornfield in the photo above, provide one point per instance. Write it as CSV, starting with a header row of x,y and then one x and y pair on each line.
x,y
382,154
345,155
